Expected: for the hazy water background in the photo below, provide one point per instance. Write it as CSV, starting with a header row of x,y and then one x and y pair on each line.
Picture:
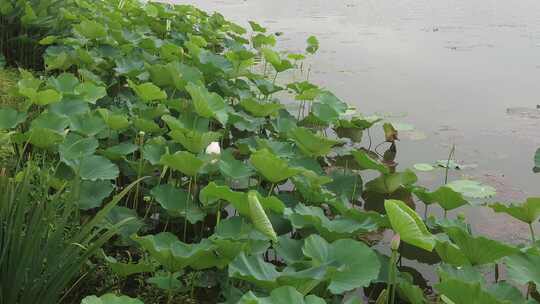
x,y
451,68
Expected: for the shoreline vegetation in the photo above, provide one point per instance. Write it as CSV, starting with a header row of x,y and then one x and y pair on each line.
x,y
155,153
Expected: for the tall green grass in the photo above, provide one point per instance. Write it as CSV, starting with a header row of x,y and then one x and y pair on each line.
x,y
43,246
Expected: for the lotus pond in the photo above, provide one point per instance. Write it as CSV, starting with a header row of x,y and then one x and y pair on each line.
x,y
158,153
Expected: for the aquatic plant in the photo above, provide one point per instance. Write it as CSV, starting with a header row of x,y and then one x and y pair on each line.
x,y
257,186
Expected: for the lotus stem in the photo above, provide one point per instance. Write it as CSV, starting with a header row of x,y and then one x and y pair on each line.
x,y
533,239
139,169
271,189
186,208
392,277
218,216
392,268
170,289
452,151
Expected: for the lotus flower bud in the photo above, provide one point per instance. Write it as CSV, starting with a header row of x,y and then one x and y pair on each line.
x,y
141,137
213,148
394,244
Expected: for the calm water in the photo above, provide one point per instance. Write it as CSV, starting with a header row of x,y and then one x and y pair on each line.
x,y
451,68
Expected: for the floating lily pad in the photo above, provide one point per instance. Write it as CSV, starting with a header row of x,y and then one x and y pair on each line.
x,y
423,167
472,189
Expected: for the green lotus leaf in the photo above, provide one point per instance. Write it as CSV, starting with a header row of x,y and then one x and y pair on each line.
x,y
119,214
366,162
207,104
95,167
91,29
255,270
69,108
266,87
88,124
408,225
110,299
212,193
313,45
90,92
389,183
44,137
390,133
311,144
257,27
260,109
345,184
507,293
153,150
478,250
57,60
175,255
146,125
129,65
412,293
120,150
232,168
64,83
260,40
447,198
271,56
45,97
148,91
75,148
177,202
311,186
281,295
463,273
450,253
527,212
281,149
167,281
51,121
423,167
127,269
48,40
328,108
473,189
272,167
114,121
523,268
10,118
338,228
175,74
193,140
92,193
258,216
350,264
467,292
183,161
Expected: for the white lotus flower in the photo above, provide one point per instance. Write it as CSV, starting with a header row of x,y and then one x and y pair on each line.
x,y
213,148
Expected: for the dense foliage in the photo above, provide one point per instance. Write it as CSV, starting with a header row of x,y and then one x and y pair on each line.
x,y
249,183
